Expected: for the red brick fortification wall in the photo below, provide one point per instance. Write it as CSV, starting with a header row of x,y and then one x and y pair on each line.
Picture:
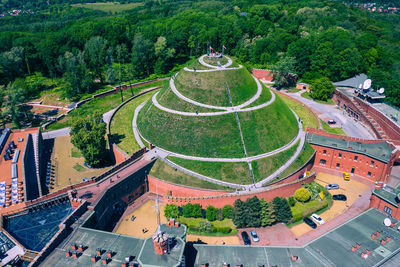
x,y
380,204
221,200
342,99
391,129
169,189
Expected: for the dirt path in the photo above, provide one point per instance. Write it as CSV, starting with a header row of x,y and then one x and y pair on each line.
x,y
214,240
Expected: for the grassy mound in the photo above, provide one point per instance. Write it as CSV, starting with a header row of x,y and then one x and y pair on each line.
x,y
210,87
233,172
165,172
216,136
268,128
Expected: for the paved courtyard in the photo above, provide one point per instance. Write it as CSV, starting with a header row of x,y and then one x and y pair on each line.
x,y
351,189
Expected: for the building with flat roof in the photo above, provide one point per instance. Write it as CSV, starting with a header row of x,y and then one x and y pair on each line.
x,y
387,199
372,159
20,168
362,241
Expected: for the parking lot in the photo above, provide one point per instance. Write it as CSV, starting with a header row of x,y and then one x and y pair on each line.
x,y
352,189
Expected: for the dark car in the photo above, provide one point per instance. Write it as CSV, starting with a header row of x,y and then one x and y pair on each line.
x,y
246,238
310,223
340,197
331,122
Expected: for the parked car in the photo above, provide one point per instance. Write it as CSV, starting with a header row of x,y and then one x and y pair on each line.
x,y
317,219
310,223
254,236
332,186
346,176
340,197
331,122
246,238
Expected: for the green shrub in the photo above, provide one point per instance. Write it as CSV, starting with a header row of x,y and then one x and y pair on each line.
x,y
211,213
171,211
291,201
227,210
205,226
302,195
220,215
187,210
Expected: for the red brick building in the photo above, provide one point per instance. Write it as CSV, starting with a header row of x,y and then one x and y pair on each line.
x,y
372,159
387,199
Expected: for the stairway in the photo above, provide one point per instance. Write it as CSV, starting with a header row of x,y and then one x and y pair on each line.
x,y
35,141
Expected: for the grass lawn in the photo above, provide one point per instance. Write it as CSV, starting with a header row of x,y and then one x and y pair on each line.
x,y
79,168
168,99
308,118
234,172
210,87
214,136
268,128
328,102
113,7
302,159
193,223
163,171
75,153
121,125
262,168
333,130
264,97
214,61
101,104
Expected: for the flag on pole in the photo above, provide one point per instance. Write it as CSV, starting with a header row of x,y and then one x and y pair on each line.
x,y
223,47
211,48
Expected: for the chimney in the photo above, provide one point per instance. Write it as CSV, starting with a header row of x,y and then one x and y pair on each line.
x,y
160,241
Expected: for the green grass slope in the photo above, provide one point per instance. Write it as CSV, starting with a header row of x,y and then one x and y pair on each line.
x,y
210,87
216,136
268,128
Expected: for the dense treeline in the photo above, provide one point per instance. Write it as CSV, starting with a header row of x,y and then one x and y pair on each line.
x,y
85,47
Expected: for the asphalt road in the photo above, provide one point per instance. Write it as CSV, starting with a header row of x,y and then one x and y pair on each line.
x,y
350,126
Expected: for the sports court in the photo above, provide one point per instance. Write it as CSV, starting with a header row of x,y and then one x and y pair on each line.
x,y
332,249
34,229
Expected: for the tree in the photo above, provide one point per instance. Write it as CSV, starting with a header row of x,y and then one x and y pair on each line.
x,y
322,89
302,195
142,56
88,135
13,109
267,213
187,210
284,72
211,213
227,210
95,54
11,64
254,212
239,214
163,55
220,215
196,212
76,74
291,201
282,210
171,211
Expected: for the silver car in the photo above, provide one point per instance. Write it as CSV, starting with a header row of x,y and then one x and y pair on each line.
x,y
332,186
254,236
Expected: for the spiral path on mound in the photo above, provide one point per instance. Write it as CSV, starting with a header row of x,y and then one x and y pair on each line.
x,y
164,153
